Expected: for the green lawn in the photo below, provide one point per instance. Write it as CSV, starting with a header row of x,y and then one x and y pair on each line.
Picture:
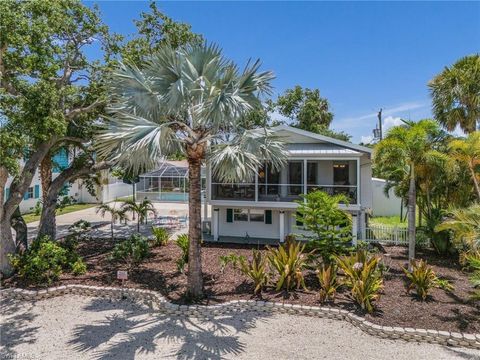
x,y
31,217
388,220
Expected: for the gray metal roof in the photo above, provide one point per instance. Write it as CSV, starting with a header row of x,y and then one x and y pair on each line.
x,y
171,170
319,149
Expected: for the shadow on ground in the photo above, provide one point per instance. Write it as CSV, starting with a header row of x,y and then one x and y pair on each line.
x,y
137,330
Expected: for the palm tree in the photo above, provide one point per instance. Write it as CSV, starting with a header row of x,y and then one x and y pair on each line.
x,y
140,208
456,95
465,225
116,214
398,155
467,151
190,100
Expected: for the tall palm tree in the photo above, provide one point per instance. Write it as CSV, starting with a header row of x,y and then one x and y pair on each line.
x,y
456,95
404,149
116,214
141,209
467,151
190,100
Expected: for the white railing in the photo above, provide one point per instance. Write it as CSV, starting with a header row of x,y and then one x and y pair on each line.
x,y
387,234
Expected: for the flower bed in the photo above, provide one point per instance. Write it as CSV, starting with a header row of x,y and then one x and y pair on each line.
x,y
442,311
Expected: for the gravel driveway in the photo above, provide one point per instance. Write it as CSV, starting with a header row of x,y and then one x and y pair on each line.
x,y
74,327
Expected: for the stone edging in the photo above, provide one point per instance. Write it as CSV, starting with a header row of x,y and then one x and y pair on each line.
x,y
157,302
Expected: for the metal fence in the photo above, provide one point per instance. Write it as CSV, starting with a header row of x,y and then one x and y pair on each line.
x,y
388,235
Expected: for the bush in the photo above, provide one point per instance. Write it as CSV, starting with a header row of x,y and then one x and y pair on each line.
x,y
256,270
183,242
79,267
131,251
423,279
42,263
327,276
288,260
162,236
232,259
472,261
362,277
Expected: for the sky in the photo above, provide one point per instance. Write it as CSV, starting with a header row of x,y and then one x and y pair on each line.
x,y
363,56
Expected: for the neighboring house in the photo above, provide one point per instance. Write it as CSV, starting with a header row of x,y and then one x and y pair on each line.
x,y
110,189
384,205
265,209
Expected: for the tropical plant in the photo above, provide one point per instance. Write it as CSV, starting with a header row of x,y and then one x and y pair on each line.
x,y
327,276
42,263
289,261
423,279
115,214
232,259
362,277
190,101
79,267
465,227
141,209
332,227
472,261
183,242
162,236
467,151
256,269
131,251
400,154
456,94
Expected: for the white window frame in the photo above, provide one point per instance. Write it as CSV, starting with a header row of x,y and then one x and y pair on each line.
x,y
241,210
248,220
30,192
256,212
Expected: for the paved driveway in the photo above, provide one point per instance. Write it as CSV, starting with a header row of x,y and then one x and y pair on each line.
x,y
74,327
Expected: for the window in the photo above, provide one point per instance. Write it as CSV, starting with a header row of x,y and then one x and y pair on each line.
x,y
340,173
28,194
240,215
312,173
257,215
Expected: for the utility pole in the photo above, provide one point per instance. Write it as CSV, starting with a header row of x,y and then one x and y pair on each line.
x,y
380,123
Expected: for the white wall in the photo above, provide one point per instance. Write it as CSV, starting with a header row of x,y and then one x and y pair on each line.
x,y
383,205
366,197
254,229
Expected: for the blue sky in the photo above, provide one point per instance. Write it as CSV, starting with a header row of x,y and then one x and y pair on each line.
x,y
361,55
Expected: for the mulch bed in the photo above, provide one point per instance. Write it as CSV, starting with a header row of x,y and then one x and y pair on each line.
x,y
441,311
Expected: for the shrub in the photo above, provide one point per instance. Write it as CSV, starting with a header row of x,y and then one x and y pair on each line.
x,y
327,276
79,267
331,226
472,261
131,251
183,242
288,260
423,279
255,269
232,259
362,277
42,262
162,236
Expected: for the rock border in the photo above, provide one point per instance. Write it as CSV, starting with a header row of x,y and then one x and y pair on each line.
x,y
159,303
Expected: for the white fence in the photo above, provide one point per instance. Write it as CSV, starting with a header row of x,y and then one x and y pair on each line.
x,y
387,234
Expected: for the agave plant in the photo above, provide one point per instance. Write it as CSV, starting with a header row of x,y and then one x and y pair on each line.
x,y
362,277
192,101
256,269
288,260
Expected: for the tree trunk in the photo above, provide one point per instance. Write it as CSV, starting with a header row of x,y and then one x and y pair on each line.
x,y
411,217
111,227
195,278
475,181
46,175
21,231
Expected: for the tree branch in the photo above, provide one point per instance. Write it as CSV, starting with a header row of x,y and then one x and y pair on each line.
x,y
83,110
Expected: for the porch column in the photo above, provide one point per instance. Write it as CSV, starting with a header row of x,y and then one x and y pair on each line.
x,y
362,224
215,224
281,222
305,190
354,229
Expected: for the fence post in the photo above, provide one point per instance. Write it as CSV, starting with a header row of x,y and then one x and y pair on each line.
x,y
395,234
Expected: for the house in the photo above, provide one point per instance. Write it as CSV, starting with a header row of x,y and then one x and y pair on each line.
x,y
264,210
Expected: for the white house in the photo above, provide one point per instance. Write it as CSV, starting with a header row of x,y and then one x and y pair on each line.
x,y
264,210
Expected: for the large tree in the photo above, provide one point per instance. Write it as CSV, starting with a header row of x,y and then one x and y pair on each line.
x,y
190,100
456,95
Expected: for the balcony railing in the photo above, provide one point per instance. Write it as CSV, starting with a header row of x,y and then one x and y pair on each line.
x,y
276,192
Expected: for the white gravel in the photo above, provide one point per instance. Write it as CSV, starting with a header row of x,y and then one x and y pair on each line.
x,y
74,327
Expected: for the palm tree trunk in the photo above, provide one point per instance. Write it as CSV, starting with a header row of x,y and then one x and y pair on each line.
x,y
411,217
111,227
195,279
475,181
138,222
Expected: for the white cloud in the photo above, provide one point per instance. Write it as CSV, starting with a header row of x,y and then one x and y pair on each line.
x,y
366,139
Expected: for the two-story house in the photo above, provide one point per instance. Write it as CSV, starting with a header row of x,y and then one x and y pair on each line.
x,y
264,210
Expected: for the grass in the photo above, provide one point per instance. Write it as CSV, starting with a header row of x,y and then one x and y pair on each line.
x,y
122,199
31,217
391,220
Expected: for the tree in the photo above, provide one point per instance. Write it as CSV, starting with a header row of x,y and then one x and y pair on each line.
x,y
332,227
115,214
399,154
467,151
141,209
189,100
456,95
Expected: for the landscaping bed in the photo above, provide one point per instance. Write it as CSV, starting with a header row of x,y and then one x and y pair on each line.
x,y
441,311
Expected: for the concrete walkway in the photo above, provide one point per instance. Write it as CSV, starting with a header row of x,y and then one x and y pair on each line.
x,y
74,327
103,223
